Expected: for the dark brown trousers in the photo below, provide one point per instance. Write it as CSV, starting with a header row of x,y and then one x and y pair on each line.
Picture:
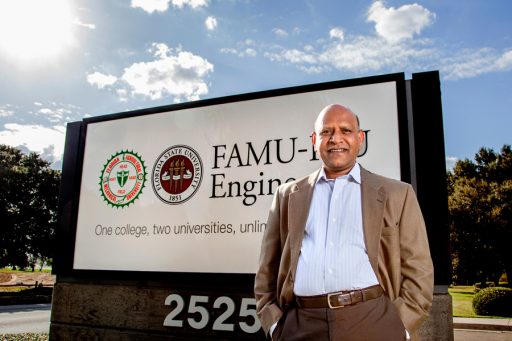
x,y
376,319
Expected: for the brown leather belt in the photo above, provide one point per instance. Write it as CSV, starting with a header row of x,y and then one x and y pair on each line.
x,y
340,299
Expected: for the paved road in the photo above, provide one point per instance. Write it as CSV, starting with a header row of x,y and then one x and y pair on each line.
x,y
33,318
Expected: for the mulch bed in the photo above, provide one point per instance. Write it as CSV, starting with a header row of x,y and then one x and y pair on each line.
x,y
24,337
4,278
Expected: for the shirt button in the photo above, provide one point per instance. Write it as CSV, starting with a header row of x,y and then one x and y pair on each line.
x,y
329,271
333,220
331,244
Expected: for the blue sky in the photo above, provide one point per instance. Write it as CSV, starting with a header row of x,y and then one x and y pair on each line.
x,y
63,60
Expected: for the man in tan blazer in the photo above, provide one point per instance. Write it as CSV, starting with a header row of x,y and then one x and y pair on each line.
x,y
394,246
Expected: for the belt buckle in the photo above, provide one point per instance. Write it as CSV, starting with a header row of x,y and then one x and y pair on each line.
x,y
329,301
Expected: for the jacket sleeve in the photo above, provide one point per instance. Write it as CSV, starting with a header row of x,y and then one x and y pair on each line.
x,y
417,281
265,285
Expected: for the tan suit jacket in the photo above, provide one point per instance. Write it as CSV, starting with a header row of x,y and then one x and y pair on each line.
x,y
395,238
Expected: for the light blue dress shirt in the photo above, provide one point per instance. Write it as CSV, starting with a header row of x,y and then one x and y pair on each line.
x,y
333,255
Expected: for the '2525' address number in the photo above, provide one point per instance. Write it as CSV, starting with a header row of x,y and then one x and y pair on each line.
x,y
201,315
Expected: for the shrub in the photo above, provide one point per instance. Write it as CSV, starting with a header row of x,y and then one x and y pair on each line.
x,y
494,301
481,285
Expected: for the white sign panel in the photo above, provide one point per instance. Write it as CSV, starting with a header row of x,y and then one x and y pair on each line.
x,y
189,190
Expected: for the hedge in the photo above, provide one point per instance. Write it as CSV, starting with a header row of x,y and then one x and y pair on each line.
x,y
494,301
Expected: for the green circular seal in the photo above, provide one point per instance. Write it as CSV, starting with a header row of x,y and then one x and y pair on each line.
x,y
122,179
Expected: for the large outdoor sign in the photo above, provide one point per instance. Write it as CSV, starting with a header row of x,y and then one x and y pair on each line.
x,y
189,190
162,210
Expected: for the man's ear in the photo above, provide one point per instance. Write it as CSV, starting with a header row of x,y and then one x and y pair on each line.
x,y
313,140
360,136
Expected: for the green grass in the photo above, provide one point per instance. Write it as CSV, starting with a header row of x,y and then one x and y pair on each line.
x,y
462,302
11,271
462,298
13,289
24,337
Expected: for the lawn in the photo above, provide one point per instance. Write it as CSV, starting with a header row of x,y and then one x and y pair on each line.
x,y
9,270
462,302
462,298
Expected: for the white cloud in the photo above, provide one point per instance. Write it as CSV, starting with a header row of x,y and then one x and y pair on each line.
x,y
38,127
57,114
175,72
358,53
337,33
246,48
229,50
295,56
471,63
191,3
79,22
6,110
355,54
151,6
53,116
450,162
396,24
101,80
210,23
396,47
160,50
504,62
363,54
297,30
123,94
48,114
312,69
250,52
280,32
47,141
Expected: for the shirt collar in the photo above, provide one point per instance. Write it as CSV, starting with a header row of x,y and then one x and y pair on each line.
x,y
354,174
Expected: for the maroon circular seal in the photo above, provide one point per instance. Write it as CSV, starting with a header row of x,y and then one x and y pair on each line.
x,y
177,174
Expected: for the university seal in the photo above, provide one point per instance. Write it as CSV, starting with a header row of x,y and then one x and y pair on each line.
x,y
122,179
177,174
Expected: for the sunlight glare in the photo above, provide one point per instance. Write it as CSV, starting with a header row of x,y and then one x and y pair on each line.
x,y
35,30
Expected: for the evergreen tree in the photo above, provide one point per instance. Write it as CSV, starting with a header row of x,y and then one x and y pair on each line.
x,y
28,207
479,200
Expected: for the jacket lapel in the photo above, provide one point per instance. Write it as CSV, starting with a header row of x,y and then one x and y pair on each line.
x,y
298,210
373,200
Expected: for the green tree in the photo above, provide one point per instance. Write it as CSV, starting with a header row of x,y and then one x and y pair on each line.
x,y
28,207
479,200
